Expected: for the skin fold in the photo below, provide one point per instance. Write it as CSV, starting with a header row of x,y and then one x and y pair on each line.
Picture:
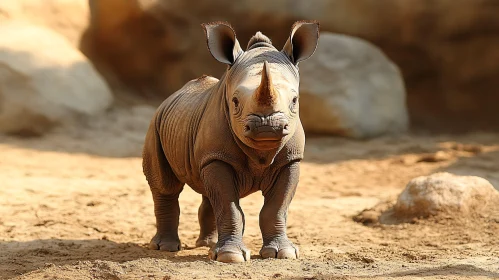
x,y
229,138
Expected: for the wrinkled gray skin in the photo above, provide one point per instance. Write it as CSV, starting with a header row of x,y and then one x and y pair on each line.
x,y
229,138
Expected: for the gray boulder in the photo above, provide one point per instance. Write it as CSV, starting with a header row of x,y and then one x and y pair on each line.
x,y
44,81
350,88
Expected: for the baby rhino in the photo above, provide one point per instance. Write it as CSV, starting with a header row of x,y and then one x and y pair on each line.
x,y
229,138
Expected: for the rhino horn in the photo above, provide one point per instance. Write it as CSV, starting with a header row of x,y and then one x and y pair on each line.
x,y
265,94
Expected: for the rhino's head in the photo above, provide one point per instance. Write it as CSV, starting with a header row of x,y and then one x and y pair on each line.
x,y
261,83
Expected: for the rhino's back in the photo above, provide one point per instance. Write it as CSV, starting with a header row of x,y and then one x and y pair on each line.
x,y
178,118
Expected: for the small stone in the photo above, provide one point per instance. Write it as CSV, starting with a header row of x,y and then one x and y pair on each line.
x,y
444,193
367,260
475,149
367,217
435,157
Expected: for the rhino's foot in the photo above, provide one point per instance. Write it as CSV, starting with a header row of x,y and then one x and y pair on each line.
x,y
165,243
281,249
207,241
230,253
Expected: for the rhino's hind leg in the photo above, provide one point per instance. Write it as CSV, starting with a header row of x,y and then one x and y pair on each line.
x,y
274,214
165,188
167,211
208,235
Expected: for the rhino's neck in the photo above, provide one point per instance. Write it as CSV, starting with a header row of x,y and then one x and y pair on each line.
x,y
257,158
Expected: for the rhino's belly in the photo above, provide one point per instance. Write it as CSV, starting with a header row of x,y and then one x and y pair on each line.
x,y
185,169
247,183
195,184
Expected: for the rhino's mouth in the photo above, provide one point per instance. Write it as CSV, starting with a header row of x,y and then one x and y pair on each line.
x,y
266,133
264,144
265,136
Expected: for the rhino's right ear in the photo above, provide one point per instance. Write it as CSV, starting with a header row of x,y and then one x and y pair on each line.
x,y
222,42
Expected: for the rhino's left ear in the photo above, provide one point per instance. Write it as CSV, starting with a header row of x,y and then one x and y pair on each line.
x,y
222,42
302,41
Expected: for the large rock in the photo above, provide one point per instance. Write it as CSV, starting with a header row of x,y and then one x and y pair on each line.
x,y
44,80
445,193
350,88
67,17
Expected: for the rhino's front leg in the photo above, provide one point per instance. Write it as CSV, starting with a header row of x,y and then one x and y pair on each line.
x,y
219,182
274,214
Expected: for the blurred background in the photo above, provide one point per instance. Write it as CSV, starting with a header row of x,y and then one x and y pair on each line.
x,y
411,86
431,65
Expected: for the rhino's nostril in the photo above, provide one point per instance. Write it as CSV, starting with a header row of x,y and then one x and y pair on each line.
x,y
246,128
286,126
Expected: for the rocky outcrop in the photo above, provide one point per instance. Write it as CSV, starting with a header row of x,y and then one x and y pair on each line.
x,y
148,50
445,49
350,88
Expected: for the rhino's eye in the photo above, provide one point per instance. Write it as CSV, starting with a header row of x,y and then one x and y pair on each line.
x,y
295,100
235,101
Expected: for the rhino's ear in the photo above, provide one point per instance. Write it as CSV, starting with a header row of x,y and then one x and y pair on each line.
x,y
222,42
302,41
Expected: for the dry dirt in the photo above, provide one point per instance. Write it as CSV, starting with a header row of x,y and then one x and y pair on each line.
x,y
75,205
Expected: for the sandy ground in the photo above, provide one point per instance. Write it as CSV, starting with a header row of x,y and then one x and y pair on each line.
x,y
75,205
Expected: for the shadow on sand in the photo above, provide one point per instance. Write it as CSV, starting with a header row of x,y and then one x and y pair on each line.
x,y
24,257
460,270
